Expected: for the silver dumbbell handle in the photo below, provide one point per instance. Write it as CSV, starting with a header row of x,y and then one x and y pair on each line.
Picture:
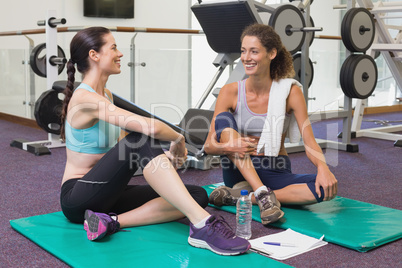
x,y
304,29
53,22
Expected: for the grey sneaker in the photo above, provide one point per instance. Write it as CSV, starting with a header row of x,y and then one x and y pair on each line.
x,y
226,196
270,208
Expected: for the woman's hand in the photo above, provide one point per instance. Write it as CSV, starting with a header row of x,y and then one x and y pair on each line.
x,y
177,153
241,147
328,182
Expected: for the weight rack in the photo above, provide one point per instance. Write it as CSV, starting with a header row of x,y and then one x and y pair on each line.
x,y
52,63
391,51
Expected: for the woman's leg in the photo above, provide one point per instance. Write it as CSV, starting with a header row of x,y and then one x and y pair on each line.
x,y
163,178
100,189
227,131
289,188
296,194
107,181
149,208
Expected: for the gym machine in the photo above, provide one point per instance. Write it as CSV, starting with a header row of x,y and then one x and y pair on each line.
x,y
223,24
390,48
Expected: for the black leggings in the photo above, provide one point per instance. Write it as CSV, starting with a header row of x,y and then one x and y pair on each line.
x,y
105,187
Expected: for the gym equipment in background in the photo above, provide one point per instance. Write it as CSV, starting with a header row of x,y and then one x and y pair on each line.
x,y
47,66
38,60
215,20
367,29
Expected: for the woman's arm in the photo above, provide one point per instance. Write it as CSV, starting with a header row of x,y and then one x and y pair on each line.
x,y
99,107
226,101
325,178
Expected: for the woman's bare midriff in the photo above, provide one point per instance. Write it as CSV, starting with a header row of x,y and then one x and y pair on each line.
x,y
79,164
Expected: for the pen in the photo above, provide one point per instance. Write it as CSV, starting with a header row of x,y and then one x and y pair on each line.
x,y
280,244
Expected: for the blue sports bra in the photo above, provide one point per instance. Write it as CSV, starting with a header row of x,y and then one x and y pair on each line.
x,y
97,139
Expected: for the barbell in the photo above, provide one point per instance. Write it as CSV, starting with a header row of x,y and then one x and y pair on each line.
x,y
289,23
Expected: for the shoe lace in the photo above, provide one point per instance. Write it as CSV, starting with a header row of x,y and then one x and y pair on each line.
x,y
219,225
113,225
265,200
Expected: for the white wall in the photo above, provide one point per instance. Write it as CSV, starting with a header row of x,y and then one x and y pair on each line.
x,y
23,14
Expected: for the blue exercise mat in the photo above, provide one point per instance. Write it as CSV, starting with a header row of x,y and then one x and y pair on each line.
x,y
159,245
346,222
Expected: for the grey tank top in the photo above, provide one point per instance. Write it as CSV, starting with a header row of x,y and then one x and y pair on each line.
x,y
248,122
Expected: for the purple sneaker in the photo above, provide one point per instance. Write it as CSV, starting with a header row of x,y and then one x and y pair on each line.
x,y
98,225
218,237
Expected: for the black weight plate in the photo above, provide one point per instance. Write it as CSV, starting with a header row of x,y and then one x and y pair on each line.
x,y
354,38
365,76
288,16
310,35
346,76
349,77
343,28
37,60
48,111
358,76
297,67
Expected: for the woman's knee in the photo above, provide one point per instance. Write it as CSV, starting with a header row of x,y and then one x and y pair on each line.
x,y
222,121
311,186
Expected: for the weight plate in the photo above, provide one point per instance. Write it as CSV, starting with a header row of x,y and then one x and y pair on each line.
x,y
359,76
344,78
358,30
297,67
37,59
48,111
282,19
310,35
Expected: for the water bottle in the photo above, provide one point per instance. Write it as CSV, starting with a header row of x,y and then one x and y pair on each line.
x,y
243,215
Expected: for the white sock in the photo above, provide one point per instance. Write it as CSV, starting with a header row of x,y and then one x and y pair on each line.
x,y
262,188
202,222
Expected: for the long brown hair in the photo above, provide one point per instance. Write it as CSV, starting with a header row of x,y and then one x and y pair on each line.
x,y
84,41
282,64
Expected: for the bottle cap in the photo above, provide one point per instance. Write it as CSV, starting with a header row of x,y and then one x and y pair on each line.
x,y
244,192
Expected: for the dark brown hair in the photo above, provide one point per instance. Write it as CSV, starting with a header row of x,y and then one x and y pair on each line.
x,y
81,44
282,64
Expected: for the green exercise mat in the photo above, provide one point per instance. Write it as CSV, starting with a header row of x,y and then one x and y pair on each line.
x,y
159,245
346,222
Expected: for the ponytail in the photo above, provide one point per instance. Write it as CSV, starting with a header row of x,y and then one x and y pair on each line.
x,y
81,44
282,65
68,92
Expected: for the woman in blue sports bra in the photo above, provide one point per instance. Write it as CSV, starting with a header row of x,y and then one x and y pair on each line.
x,y
249,126
95,188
